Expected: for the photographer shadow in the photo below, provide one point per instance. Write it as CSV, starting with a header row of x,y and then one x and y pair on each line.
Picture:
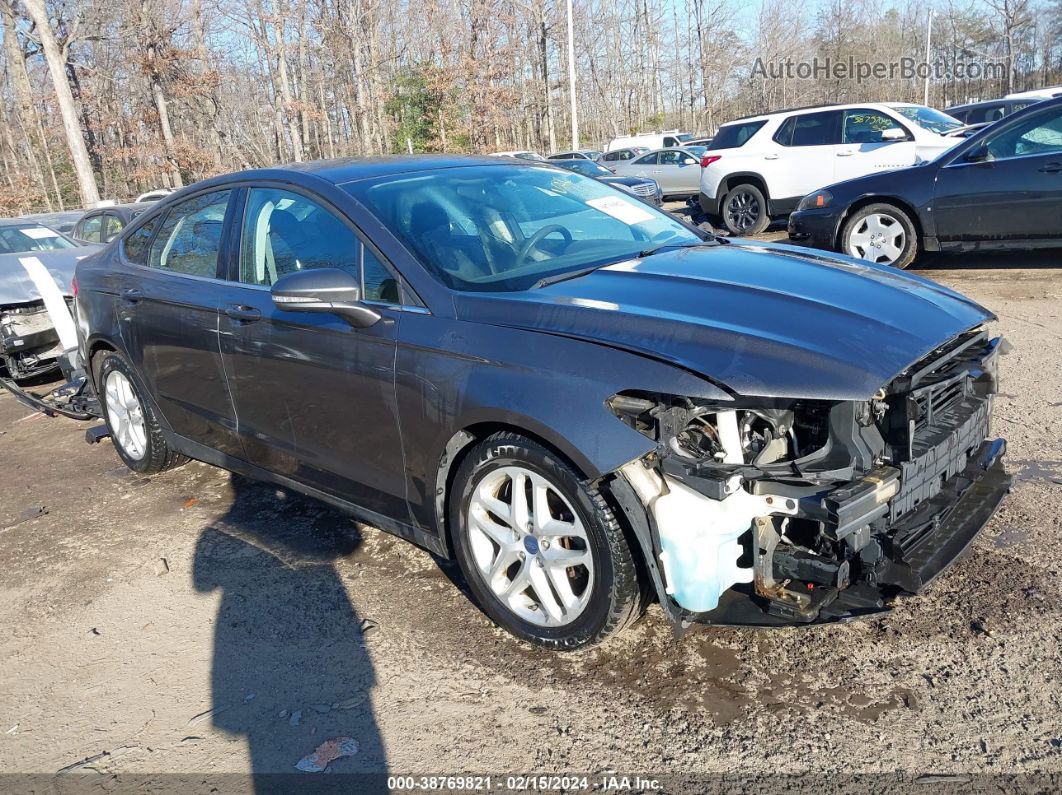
x,y
290,669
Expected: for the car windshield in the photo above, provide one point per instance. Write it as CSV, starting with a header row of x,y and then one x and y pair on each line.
x,y
685,136
529,156
31,237
505,227
587,167
928,118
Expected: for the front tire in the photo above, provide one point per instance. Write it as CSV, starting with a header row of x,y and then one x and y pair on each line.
x,y
131,420
881,233
745,210
540,549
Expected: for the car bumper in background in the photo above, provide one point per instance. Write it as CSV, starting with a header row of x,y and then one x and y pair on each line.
x,y
817,227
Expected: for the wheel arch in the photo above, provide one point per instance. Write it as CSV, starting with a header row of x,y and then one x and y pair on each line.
x,y
731,181
866,201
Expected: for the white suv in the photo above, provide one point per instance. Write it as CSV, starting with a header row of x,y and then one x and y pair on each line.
x,y
762,166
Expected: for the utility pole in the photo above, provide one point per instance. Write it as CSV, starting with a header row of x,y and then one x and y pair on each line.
x,y
571,78
929,39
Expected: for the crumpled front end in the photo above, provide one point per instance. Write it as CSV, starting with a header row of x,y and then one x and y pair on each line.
x,y
771,512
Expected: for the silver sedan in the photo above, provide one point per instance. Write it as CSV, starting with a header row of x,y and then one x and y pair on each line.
x,y
677,171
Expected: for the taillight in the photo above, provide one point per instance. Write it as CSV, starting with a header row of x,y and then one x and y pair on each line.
x,y
73,287
707,160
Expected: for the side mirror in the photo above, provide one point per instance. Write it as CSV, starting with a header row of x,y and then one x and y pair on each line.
x,y
979,154
323,290
893,134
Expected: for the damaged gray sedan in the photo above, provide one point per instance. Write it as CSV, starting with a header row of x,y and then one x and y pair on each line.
x,y
585,402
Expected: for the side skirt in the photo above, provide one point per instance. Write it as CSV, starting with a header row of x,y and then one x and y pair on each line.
x,y
209,455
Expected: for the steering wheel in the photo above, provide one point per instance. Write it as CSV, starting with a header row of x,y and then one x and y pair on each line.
x,y
537,237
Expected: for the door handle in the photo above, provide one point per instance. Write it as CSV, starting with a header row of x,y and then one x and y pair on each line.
x,y
770,157
243,313
131,295
1052,168
845,154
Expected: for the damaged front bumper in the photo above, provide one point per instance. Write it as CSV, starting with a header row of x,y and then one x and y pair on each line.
x,y
803,543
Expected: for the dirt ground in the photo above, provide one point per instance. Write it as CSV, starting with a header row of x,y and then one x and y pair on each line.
x,y
193,621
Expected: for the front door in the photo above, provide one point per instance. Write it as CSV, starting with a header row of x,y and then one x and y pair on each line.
x,y
168,311
1014,194
314,397
678,172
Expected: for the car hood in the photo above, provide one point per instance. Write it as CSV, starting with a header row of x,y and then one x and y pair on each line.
x,y
16,286
761,319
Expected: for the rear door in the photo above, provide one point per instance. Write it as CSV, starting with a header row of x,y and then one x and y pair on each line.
x,y
645,166
804,156
168,315
1015,195
314,396
864,148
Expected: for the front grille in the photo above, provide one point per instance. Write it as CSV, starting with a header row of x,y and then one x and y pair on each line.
x,y
644,189
940,413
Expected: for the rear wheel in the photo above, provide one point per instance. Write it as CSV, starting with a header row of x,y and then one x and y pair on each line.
x,y
540,549
134,428
881,233
745,210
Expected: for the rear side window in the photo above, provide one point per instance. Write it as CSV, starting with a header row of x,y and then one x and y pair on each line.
x,y
136,245
189,239
649,160
810,129
734,135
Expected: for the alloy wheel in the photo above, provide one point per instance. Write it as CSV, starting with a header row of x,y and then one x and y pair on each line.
x,y
125,415
742,210
878,238
530,547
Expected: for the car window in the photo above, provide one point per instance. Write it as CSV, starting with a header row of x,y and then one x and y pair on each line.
x,y
650,159
189,239
928,118
378,283
91,228
135,245
670,158
610,156
503,228
732,136
31,237
112,226
669,141
809,129
1040,134
863,126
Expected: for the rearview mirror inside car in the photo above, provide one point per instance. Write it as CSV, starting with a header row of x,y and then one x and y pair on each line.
x,y
893,134
323,290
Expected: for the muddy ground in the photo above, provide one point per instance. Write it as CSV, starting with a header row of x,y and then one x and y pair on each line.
x,y
193,621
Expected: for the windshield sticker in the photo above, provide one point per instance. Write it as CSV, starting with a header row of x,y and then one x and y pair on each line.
x,y
621,209
38,232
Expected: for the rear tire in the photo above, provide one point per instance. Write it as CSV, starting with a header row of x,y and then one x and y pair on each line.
x,y
500,544
745,210
131,420
881,233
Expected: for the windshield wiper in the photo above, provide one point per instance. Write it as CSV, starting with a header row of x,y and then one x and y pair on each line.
x,y
710,243
545,281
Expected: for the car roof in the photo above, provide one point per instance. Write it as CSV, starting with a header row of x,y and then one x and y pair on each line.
x,y
352,169
813,108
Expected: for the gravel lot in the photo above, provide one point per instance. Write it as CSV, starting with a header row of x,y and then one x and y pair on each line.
x,y
193,621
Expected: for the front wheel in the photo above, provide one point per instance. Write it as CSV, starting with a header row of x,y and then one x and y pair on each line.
x,y
541,550
745,210
880,233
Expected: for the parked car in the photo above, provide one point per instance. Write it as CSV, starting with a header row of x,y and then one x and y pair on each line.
x,y
999,189
1047,92
575,395
608,159
760,167
62,221
582,154
521,154
153,195
986,112
650,140
102,225
676,171
641,187
36,266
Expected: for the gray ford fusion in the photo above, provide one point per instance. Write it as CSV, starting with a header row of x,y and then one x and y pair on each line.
x,y
585,402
